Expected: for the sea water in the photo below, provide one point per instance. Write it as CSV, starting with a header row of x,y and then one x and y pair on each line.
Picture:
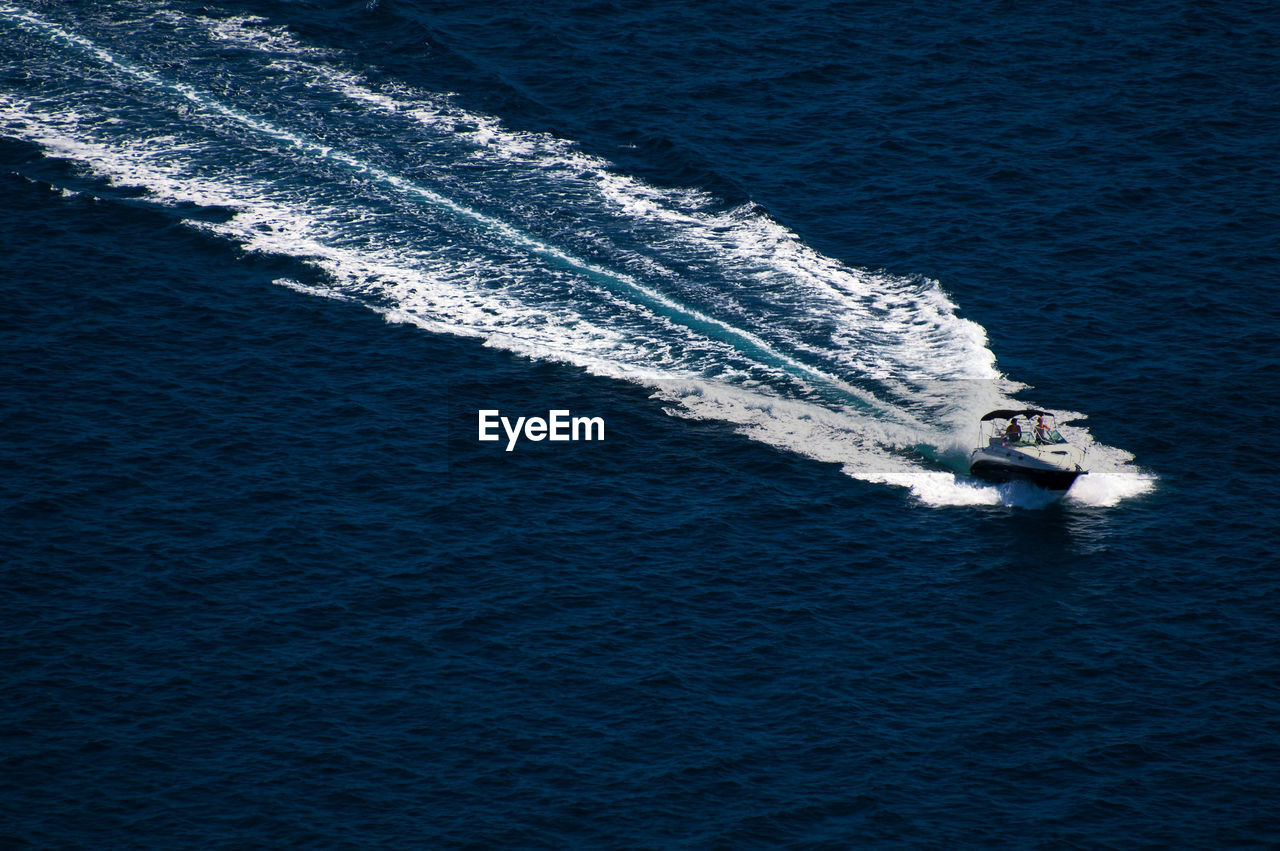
x,y
266,265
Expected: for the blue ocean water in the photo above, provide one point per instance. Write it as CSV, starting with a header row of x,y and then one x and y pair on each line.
x,y
264,262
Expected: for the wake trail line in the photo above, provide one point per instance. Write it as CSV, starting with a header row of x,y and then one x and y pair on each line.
x,y
745,341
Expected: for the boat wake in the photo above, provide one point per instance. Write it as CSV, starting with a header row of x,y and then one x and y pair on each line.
x,y
440,217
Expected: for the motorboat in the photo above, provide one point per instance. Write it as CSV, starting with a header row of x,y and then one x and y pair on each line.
x,y
1032,452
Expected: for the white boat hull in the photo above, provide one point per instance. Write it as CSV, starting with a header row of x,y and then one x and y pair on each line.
x,y
1052,466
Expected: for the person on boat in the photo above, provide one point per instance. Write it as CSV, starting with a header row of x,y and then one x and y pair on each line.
x,y
1042,431
1013,433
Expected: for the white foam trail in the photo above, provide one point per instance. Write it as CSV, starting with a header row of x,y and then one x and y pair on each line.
x,y
725,313
514,236
895,306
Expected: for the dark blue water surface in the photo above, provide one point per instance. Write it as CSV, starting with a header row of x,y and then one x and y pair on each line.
x,y
264,262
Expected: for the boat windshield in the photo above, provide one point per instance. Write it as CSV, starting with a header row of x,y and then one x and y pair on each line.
x,y
1050,436
1025,435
